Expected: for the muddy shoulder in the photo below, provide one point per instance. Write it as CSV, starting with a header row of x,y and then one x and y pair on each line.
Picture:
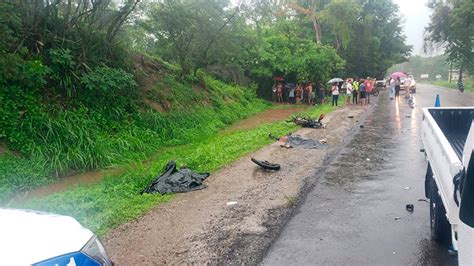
x,y
242,210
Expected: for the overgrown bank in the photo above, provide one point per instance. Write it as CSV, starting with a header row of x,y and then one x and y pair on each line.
x,y
468,84
117,199
53,139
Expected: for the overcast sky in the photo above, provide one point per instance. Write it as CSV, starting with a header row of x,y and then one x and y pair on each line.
x,y
416,16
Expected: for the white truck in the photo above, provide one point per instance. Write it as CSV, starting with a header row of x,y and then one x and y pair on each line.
x,y
448,140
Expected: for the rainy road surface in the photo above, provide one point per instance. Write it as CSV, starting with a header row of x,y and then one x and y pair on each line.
x,y
355,215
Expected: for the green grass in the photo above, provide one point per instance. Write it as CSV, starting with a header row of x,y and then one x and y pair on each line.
x,y
117,199
468,84
62,142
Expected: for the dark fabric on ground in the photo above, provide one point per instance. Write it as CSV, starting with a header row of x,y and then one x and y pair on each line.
x,y
296,141
174,180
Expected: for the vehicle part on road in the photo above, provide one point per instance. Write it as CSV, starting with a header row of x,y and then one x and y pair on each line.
x,y
410,207
397,218
308,122
174,181
406,188
425,200
266,164
230,203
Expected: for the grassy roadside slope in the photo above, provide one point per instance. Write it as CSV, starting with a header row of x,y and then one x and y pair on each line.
x,y
468,85
55,140
117,199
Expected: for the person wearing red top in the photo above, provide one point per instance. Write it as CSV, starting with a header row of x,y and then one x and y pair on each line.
x,y
368,88
280,92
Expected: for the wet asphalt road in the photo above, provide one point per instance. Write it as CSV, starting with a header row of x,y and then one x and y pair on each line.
x,y
355,215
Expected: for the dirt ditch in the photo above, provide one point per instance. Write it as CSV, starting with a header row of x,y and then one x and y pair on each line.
x,y
268,116
236,218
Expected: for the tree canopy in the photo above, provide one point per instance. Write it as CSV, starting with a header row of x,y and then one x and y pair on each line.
x,y
452,28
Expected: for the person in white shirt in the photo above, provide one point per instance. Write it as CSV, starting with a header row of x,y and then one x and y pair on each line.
x,y
406,86
391,84
349,91
335,93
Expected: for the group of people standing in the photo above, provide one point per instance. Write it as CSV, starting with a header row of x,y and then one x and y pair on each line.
x,y
357,92
304,92
394,84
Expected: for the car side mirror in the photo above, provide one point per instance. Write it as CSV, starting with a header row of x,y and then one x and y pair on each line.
x,y
466,209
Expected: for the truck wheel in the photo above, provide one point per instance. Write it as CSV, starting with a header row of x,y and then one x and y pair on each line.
x,y
440,227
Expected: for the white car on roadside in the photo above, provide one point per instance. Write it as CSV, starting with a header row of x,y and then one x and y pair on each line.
x,y
39,238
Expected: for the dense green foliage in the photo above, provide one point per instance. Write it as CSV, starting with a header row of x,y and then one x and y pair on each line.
x,y
263,39
117,199
452,28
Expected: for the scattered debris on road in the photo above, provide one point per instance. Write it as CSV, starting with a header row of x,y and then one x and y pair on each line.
x,y
397,218
296,141
173,180
406,188
410,207
230,203
300,142
266,164
309,122
425,200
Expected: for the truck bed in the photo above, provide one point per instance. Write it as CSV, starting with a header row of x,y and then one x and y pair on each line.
x,y
455,126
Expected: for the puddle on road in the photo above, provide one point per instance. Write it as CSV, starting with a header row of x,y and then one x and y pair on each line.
x,y
268,116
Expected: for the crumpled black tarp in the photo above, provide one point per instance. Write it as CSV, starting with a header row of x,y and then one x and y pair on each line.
x,y
174,180
297,141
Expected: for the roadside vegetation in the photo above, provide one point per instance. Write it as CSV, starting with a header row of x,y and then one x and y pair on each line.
x,y
117,199
88,86
468,84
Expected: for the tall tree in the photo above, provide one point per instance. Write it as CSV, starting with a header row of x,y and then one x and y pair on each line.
x,y
452,27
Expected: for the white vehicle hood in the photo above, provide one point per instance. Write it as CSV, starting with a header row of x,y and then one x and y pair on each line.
x,y
28,237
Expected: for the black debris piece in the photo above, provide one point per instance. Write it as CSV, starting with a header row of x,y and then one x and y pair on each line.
x,y
266,164
173,180
308,122
297,141
410,207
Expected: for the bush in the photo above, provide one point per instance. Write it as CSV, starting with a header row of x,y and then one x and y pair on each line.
x,y
108,87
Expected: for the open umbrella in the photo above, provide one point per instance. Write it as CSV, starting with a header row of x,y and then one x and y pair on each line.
x,y
335,80
398,74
